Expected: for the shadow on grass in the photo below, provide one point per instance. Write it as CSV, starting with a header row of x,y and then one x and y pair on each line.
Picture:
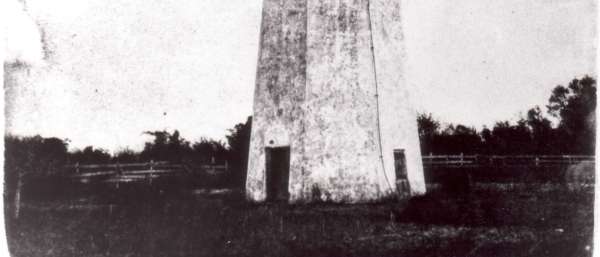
x,y
486,220
540,205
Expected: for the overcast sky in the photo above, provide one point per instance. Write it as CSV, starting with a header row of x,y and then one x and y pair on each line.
x,y
110,69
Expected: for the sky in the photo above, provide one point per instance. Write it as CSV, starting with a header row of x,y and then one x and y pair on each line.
x,y
100,72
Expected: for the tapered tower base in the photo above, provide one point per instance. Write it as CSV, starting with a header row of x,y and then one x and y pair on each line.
x,y
332,120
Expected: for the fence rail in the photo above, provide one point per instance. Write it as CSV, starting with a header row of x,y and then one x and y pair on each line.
x,y
132,172
505,160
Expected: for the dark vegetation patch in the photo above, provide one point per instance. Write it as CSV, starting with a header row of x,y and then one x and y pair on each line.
x,y
488,220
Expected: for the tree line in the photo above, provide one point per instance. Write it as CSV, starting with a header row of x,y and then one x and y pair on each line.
x,y
572,106
47,156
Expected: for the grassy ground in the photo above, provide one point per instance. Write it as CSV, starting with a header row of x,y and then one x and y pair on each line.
x,y
489,220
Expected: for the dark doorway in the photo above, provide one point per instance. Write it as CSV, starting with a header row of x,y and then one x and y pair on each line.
x,y
278,173
402,184
400,164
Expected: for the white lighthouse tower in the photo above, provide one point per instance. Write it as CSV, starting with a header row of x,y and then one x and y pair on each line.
x,y
332,119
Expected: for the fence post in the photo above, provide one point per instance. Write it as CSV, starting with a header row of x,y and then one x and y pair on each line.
x,y
212,164
18,195
462,159
151,171
77,167
537,161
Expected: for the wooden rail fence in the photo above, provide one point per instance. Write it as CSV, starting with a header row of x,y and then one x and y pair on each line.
x,y
132,172
147,171
505,160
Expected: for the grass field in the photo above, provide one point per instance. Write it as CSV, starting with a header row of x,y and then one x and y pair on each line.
x,y
489,220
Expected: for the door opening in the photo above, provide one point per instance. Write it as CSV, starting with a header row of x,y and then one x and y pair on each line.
x,y
277,173
402,184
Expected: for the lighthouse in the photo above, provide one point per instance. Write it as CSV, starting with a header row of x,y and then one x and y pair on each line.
x,y
332,119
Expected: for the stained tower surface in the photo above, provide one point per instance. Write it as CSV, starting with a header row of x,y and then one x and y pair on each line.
x,y
330,104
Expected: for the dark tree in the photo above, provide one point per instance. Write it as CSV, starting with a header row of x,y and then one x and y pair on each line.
x,y
457,139
542,134
35,155
486,140
28,157
157,149
510,139
575,107
166,147
90,155
177,148
453,139
239,144
208,150
428,130
126,156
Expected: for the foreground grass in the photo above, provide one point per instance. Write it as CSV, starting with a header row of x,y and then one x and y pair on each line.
x,y
490,220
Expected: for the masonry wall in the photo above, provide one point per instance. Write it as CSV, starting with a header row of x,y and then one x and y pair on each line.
x,y
279,93
398,118
316,92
